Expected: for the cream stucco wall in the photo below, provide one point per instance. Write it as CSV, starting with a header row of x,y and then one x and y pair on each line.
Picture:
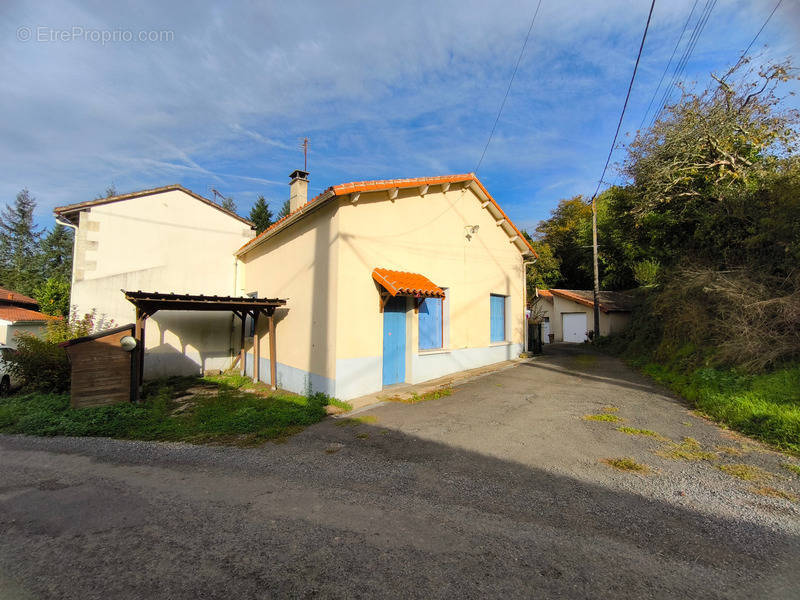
x,y
299,264
331,334
164,242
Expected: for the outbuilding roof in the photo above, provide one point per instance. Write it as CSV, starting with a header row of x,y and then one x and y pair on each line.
x,y
609,301
7,296
69,211
16,314
404,283
357,187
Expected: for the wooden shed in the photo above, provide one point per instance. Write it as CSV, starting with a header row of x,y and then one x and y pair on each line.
x,y
103,370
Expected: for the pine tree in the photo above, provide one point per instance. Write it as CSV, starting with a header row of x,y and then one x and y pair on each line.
x,y
285,210
56,254
19,245
261,215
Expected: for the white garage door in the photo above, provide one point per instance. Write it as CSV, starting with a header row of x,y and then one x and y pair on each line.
x,y
574,327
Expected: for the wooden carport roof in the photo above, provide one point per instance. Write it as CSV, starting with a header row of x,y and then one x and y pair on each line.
x,y
149,303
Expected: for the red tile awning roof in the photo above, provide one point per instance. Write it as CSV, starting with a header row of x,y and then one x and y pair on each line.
x,y
7,296
385,184
406,284
16,314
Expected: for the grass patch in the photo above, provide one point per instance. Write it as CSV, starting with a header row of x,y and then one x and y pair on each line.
x,y
793,468
688,449
626,464
353,421
645,432
362,436
610,409
585,360
745,472
765,406
340,404
766,490
212,410
603,417
416,398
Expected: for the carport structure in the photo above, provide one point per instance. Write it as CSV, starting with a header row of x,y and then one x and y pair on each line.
x,y
149,303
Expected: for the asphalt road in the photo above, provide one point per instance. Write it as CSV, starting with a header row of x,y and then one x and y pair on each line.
x,y
495,491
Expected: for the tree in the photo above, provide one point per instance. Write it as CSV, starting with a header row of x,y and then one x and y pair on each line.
x,y
109,193
568,233
56,254
286,208
53,297
19,241
261,215
228,204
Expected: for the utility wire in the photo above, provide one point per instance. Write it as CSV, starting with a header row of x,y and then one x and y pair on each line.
x,y
627,97
753,41
687,54
669,62
508,89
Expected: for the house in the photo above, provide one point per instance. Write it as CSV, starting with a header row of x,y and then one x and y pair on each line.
x,y
385,282
569,314
167,239
19,315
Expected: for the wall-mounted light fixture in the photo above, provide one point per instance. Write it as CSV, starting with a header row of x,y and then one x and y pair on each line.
x,y
471,230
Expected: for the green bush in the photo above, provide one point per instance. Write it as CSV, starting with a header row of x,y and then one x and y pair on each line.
x,y
41,365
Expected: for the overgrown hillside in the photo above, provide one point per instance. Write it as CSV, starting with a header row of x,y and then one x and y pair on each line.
x,y
708,229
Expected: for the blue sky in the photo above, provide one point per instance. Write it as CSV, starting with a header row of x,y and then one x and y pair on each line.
x,y
382,89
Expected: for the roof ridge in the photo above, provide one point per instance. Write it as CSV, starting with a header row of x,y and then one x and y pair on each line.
x,y
372,185
60,210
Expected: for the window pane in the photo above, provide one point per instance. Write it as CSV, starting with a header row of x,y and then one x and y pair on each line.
x,y
497,317
430,324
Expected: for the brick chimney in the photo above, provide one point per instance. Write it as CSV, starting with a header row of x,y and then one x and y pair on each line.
x,y
298,189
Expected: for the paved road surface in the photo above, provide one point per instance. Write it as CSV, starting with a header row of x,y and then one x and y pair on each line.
x,y
494,491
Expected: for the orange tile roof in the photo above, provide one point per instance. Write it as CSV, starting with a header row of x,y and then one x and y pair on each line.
x,y
377,185
401,282
545,293
15,314
14,297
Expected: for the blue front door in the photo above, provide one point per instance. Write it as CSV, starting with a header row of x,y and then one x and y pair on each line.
x,y
394,341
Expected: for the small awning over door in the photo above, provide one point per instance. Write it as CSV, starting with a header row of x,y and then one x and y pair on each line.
x,y
402,283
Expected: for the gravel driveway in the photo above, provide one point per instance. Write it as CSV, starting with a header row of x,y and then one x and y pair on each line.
x,y
498,490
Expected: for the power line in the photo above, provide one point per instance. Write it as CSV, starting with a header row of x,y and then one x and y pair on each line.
x,y
595,265
627,97
753,41
687,54
508,89
669,62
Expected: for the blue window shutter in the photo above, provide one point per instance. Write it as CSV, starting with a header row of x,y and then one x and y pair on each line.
x,y
497,317
430,324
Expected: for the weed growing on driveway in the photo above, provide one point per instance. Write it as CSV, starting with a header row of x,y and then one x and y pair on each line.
x,y
793,468
644,432
416,398
745,472
688,449
626,464
603,417
772,492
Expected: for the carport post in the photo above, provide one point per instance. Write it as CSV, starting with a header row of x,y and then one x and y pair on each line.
x,y
241,344
138,332
273,361
256,346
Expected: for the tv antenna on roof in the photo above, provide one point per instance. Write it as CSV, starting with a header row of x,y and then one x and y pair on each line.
x,y
304,146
